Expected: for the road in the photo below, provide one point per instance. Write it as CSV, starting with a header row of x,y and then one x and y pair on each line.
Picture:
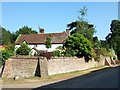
x,y
107,78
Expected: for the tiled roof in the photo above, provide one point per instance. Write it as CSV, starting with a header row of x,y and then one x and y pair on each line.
x,y
41,38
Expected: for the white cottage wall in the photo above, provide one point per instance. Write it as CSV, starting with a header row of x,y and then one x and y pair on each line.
x,y
41,47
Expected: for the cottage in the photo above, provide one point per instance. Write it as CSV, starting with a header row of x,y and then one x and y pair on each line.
x,y
37,40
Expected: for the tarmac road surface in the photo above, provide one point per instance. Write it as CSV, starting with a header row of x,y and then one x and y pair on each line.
x,y
106,78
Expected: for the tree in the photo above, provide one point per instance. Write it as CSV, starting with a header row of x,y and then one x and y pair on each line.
x,y
83,13
96,43
113,38
6,36
23,49
48,42
10,47
6,40
81,26
24,30
104,44
79,45
0,35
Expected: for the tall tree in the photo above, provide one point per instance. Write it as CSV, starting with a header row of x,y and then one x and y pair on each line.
x,y
81,26
96,43
24,30
104,44
113,38
83,13
6,36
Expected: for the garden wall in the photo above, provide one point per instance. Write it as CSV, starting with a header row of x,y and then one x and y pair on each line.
x,y
63,65
34,66
20,66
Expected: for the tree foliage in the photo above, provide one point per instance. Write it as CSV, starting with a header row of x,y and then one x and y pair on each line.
x,y
5,37
56,53
83,13
48,42
78,45
96,43
104,44
23,49
10,47
82,26
5,54
113,37
24,30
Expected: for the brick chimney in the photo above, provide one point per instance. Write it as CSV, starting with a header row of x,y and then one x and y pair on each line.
x,y
41,30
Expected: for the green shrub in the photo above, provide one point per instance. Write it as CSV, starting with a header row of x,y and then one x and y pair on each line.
x,y
104,52
69,53
48,42
4,55
56,53
78,45
23,49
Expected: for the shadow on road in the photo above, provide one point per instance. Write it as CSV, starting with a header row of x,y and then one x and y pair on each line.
x,y
94,79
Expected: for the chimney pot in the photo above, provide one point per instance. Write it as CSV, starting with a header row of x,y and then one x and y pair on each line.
x,y
41,30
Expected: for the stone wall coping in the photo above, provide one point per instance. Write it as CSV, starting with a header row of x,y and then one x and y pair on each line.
x,y
28,57
23,57
64,57
53,58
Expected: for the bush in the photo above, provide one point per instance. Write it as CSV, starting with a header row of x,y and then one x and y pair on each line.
x,y
48,43
10,47
56,53
69,53
104,52
23,49
5,54
77,45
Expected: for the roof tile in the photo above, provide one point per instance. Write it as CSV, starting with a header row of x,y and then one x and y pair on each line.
x,y
40,38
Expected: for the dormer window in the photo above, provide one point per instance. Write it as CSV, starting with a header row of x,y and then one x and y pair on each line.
x,y
24,42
